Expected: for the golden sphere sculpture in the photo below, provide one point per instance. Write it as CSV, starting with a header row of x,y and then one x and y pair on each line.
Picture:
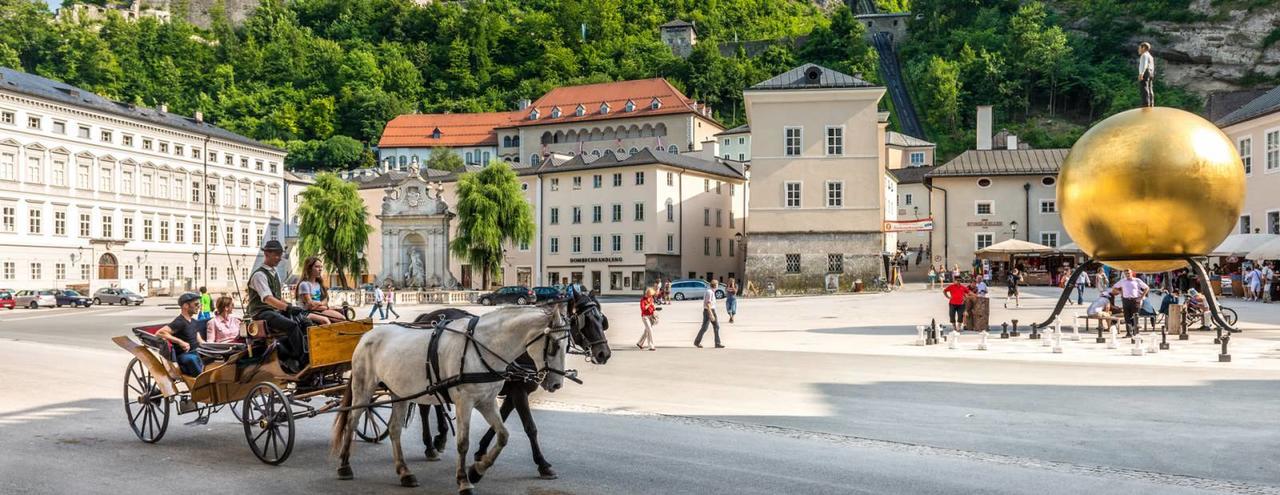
x,y
1146,187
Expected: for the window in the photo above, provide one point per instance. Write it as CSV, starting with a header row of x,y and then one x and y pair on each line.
x,y
33,220
638,243
59,173
617,243
793,263
164,147
731,250
178,149
33,121
146,143
555,245
533,159
8,270
835,141
244,236
213,234
791,195
718,183
906,199
108,226
577,214
719,217
83,132
60,271
128,227
597,214
731,219
595,244
177,189
671,179
128,271
84,271
146,272
639,207
617,212
639,178
577,244
1273,222
984,182
1245,224
718,252
230,239
179,232
84,225
983,240
706,185
106,179
617,180
8,215
164,273
164,231
178,272
146,185
984,207
555,184
7,117
35,271
195,192
706,217
244,162
147,229
244,197
835,263
1049,239
126,182
1246,154
1048,206
555,216
197,233
1048,181
917,158
59,127
597,181
706,246
671,211
671,243
835,194
258,236
34,170
1273,150
8,166
126,140
577,182
791,141
60,223
257,165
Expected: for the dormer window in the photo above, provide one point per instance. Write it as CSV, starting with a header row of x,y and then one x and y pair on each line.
x,y
604,108
435,134
555,113
533,115
580,111
631,106
655,104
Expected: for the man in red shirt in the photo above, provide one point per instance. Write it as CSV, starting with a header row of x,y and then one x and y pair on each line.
x,y
955,298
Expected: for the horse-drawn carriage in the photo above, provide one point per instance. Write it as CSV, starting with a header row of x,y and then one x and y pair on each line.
x,y
248,379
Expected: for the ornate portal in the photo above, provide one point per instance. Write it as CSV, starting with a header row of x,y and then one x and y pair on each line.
x,y
415,235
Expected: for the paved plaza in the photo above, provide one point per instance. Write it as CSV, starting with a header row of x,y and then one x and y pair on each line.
x,y
823,394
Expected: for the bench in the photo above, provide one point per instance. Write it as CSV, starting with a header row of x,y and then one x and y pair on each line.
x,y
1112,319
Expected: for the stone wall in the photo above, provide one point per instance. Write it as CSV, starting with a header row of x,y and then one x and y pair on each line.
x,y
1215,54
767,259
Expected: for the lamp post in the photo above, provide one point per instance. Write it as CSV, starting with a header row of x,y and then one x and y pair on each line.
x,y
1014,225
195,258
742,248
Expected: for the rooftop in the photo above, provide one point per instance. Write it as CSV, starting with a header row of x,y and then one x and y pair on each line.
x,y
1002,162
455,129
732,170
48,89
900,139
800,78
1221,103
676,23
642,93
1266,104
910,175
742,129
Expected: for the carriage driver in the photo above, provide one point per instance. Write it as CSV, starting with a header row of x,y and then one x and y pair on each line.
x,y
265,304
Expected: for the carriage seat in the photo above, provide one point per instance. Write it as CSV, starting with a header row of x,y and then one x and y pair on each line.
x,y
219,352
147,335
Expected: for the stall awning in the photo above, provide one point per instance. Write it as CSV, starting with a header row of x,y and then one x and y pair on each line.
x,y
1269,250
1242,244
1070,247
1014,246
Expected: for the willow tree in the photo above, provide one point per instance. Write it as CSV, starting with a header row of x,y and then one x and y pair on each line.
x,y
491,213
331,224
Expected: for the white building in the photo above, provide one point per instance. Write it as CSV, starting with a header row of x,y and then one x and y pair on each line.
x,y
95,193
735,144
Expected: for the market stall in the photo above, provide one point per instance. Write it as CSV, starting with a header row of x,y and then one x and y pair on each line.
x,y
1040,264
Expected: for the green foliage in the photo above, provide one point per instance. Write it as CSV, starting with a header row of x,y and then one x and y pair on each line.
x,y
332,224
941,105
1271,38
893,5
335,153
491,213
444,159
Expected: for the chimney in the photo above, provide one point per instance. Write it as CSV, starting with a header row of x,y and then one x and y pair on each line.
x,y
386,164
984,127
1012,142
523,104
199,117
163,108
710,150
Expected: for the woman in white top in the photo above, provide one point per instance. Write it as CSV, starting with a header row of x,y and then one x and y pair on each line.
x,y
314,296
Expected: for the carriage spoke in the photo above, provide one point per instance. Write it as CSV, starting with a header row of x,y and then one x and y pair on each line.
x,y
259,435
133,416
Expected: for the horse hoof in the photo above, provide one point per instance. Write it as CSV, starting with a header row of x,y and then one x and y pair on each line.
x,y
439,442
409,480
473,476
345,473
433,455
546,473
466,491
478,456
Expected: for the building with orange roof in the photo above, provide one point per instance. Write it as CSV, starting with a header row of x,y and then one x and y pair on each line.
x,y
410,138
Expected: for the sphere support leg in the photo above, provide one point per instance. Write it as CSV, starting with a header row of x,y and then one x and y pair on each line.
x,y
1066,292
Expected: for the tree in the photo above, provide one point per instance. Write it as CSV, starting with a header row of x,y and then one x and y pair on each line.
x,y
940,81
445,159
332,224
491,213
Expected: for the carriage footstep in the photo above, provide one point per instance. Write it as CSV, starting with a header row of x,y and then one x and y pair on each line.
x,y
409,480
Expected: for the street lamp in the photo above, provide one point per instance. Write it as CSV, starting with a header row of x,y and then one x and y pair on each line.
x,y
195,258
77,256
1014,225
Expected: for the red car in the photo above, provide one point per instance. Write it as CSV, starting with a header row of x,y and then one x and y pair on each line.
x,y
6,299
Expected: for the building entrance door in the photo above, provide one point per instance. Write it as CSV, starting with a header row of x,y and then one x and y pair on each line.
x,y
595,281
108,269
466,277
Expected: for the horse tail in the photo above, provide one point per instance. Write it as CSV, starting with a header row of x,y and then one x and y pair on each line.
x,y
340,426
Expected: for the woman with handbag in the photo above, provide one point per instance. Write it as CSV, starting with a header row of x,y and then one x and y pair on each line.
x,y
648,316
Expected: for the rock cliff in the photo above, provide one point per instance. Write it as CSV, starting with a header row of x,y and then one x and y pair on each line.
x,y
1218,53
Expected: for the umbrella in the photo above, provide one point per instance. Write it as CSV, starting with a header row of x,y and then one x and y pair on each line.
x,y
1242,244
1267,251
1012,246
1070,247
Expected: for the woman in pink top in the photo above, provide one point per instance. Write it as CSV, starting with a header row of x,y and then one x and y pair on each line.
x,y
222,328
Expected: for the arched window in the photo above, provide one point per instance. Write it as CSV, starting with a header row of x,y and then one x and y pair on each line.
x,y
533,115
506,141
107,267
533,159
633,151
469,158
555,113
515,141
595,152
621,152
404,160
655,104
486,158
673,149
604,108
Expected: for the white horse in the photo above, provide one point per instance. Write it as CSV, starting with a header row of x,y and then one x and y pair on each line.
x,y
397,357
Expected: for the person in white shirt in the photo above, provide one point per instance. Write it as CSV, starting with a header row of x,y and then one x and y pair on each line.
x,y
1102,308
1081,282
709,316
377,303
1146,74
1268,273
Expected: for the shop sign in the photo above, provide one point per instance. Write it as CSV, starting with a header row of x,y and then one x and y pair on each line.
x,y
615,259
923,224
985,223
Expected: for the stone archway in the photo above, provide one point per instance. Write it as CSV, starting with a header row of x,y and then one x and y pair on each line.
x,y
108,268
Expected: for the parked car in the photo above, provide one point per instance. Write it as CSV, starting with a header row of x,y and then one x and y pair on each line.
x,y
6,299
126,297
546,293
36,298
68,297
692,289
517,294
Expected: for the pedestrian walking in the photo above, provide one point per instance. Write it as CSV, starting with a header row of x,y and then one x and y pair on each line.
x,y
1100,279
666,291
1012,280
955,301
1081,282
390,303
933,277
731,298
648,317
377,303
709,316
206,305
1132,291
1268,273
1146,74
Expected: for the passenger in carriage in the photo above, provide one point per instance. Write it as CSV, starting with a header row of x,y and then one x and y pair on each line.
x,y
314,296
183,333
265,304
223,328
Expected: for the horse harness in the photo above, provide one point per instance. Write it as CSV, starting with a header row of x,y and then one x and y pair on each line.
x,y
512,370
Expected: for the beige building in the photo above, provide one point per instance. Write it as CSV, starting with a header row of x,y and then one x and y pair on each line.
x,y
908,159
819,190
1255,128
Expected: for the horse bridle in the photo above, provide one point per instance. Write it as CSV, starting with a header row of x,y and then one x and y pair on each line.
x,y
579,344
551,345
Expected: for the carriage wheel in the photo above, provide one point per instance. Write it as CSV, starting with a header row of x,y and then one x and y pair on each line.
x,y
268,423
235,410
145,406
349,312
373,424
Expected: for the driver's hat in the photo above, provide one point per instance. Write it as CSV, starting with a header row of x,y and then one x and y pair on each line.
x,y
273,245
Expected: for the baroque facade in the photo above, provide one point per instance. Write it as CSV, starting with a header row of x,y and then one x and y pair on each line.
x,y
415,235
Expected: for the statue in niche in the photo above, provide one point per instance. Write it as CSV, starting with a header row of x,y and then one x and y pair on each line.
x,y
414,275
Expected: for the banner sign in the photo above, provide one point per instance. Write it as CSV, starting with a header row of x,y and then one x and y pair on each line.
x,y
923,224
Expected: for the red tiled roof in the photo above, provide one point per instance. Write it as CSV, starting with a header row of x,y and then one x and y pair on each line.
x,y
616,94
456,129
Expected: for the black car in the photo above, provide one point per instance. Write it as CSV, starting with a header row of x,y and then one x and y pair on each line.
x,y
71,298
547,293
512,294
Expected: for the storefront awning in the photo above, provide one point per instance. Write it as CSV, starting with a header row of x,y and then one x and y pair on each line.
x,y
1242,244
